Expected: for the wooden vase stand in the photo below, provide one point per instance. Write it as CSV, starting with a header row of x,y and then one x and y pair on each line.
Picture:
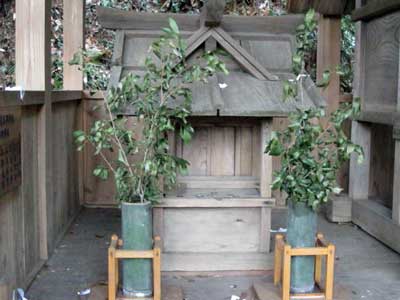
x,y
282,263
115,253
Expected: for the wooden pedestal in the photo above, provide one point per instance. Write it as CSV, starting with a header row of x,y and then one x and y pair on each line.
x,y
115,253
283,257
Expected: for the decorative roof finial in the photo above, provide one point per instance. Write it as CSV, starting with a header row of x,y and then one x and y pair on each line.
x,y
212,12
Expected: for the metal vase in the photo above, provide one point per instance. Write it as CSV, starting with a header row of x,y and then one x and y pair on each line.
x,y
301,232
137,234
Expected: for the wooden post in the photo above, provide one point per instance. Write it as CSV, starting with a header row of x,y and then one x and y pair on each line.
x,y
266,161
359,173
115,254
112,280
287,259
5,292
328,58
278,258
318,264
396,180
330,272
360,132
157,269
33,72
74,40
396,183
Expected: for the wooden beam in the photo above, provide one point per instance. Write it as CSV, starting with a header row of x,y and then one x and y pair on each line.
x,y
376,219
130,20
65,96
328,58
180,202
266,161
359,67
331,8
73,22
324,7
388,118
298,6
375,9
245,59
118,19
13,98
74,41
33,72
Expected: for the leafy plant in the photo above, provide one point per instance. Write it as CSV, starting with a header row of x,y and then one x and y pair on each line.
x,y
94,73
162,101
311,149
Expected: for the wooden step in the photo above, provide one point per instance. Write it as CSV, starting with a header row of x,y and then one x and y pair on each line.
x,y
220,182
210,262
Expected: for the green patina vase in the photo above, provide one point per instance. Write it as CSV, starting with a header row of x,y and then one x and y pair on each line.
x,y
301,232
137,234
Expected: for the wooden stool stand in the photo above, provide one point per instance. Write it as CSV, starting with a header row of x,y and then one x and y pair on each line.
x,y
115,253
282,263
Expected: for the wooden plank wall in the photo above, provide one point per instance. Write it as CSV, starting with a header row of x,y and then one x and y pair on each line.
x,y
21,244
382,164
65,205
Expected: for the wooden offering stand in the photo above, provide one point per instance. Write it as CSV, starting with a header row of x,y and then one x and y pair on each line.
x,y
115,253
283,256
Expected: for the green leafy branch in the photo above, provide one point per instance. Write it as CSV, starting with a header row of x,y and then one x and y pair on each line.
x,y
162,99
311,149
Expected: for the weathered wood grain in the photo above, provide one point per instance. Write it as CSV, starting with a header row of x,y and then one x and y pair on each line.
x,y
377,221
33,72
186,202
222,159
381,54
266,160
396,184
198,262
219,182
328,58
65,201
386,118
247,61
375,9
360,173
119,19
382,164
73,22
13,98
197,152
324,7
226,230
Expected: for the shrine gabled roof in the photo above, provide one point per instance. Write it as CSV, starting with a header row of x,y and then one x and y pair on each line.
x,y
259,48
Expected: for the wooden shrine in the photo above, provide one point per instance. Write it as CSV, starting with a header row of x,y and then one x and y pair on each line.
x,y
219,216
374,186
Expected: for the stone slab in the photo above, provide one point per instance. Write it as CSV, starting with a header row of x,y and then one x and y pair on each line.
x,y
267,291
99,292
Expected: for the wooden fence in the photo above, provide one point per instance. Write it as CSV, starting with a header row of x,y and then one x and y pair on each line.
x,y
29,229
